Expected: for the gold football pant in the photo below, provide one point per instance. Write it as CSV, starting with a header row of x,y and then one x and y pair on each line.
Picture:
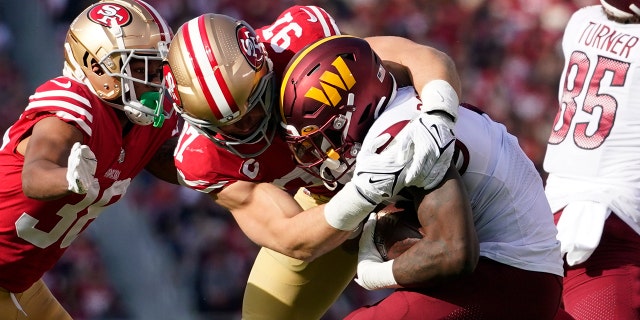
x,y
283,288
37,302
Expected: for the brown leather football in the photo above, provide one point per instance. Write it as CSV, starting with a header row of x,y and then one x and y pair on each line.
x,y
397,229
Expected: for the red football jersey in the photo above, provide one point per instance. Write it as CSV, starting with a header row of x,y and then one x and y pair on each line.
x,y
34,234
208,168
293,30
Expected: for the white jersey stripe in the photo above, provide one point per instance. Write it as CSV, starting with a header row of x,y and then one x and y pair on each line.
x,y
326,28
61,104
197,184
61,93
79,121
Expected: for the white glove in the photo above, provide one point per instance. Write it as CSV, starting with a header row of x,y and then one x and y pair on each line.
x,y
430,144
439,96
81,168
373,272
377,177
418,156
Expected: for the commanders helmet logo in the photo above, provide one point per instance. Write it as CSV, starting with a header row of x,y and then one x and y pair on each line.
x,y
108,13
250,47
331,82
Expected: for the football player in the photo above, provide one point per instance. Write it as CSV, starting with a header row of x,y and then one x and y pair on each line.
x,y
222,76
593,164
77,145
498,259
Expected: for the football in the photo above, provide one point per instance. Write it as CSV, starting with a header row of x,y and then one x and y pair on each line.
x,y
397,229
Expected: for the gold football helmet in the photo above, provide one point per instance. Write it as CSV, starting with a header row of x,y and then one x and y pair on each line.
x,y
217,73
112,34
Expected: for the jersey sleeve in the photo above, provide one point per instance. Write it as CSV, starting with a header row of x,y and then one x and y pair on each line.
x,y
66,99
208,175
294,29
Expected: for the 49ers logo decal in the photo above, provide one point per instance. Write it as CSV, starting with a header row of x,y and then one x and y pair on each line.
x,y
108,13
171,85
250,47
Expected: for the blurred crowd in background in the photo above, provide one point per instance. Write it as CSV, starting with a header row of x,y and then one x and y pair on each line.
x,y
507,54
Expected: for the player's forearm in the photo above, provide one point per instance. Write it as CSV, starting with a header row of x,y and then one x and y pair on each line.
x,y
423,64
43,180
307,240
271,218
308,236
431,262
450,247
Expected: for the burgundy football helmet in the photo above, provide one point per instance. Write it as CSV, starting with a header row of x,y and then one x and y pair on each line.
x,y
623,9
332,91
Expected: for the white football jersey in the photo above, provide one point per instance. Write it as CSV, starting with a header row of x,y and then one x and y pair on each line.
x,y
511,213
593,149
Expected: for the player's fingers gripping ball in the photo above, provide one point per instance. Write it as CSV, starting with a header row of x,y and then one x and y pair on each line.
x,y
372,271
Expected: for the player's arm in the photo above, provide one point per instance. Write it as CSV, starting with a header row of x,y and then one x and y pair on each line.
x,y
271,218
448,249
450,246
162,165
46,154
432,72
420,63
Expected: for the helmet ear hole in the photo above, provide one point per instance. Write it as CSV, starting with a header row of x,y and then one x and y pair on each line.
x,y
348,56
88,60
313,70
96,68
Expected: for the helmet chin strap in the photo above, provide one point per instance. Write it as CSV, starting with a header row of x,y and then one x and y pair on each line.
x,y
329,185
335,167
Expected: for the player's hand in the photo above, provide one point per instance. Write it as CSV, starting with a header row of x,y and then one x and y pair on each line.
x,y
429,142
81,169
418,156
373,272
379,175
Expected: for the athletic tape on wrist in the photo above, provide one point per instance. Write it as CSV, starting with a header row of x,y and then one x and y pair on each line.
x,y
380,275
347,208
439,95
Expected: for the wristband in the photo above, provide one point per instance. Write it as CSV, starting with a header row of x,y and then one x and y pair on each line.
x,y
347,208
439,95
376,275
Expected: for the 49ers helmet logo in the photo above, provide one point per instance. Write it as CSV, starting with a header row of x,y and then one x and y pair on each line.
x,y
171,84
107,13
250,47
